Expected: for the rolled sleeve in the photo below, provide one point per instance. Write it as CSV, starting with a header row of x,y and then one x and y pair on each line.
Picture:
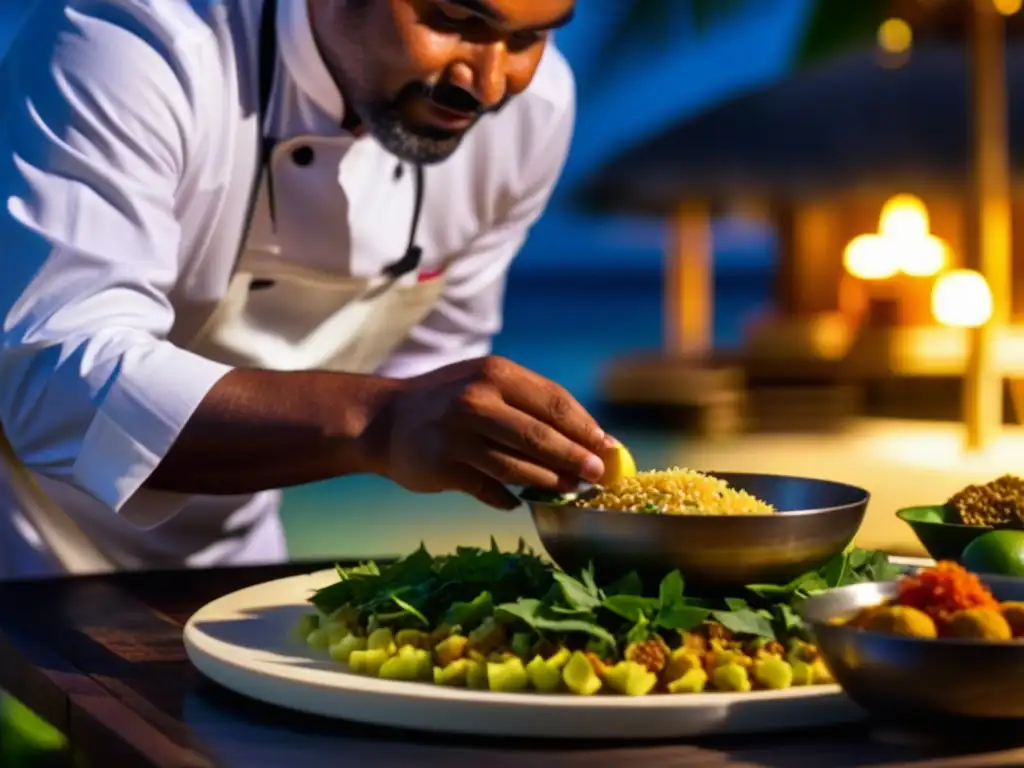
x,y
93,146
469,315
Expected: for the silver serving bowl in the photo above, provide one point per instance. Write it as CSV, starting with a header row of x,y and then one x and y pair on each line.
x,y
929,682
816,520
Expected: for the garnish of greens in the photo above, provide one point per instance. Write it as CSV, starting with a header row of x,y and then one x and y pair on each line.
x,y
533,598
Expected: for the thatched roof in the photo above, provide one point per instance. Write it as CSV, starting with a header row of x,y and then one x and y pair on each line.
x,y
849,123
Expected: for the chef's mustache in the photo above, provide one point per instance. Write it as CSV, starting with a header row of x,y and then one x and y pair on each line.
x,y
449,96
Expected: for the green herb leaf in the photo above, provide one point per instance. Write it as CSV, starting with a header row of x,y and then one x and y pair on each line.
x,y
469,615
629,607
670,594
682,617
590,583
629,584
410,609
745,622
576,593
533,614
736,604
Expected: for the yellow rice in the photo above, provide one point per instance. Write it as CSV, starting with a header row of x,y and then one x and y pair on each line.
x,y
675,491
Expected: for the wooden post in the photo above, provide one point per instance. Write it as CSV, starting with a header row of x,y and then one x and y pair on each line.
x,y
689,284
989,248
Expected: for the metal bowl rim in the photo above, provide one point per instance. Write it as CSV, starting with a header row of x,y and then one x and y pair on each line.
x,y
889,587
785,513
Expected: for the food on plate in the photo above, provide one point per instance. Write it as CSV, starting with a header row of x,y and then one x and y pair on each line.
x,y
674,491
512,622
996,552
999,503
944,601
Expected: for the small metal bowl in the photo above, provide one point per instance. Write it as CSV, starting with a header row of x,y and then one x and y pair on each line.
x,y
939,530
936,684
815,520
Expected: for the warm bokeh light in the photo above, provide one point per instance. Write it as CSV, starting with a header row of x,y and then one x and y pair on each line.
x,y
904,217
895,36
1007,7
962,298
871,257
922,257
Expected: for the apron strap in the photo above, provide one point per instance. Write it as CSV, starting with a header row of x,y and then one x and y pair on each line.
x,y
413,253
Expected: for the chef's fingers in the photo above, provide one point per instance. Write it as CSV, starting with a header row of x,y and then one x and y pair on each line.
x,y
482,487
538,442
553,405
509,468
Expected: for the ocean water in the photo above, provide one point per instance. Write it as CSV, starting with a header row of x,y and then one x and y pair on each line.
x,y
564,325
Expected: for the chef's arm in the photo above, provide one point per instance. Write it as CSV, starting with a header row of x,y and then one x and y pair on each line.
x,y
256,430
469,314
96,129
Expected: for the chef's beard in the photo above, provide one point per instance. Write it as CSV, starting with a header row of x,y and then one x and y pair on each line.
x,y
421,144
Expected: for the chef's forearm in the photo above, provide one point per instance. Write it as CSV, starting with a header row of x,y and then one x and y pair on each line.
x,y
260,430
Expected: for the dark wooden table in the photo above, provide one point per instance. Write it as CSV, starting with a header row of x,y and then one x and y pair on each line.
x,y
102,659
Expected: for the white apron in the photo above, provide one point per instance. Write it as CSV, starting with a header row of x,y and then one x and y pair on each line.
x,y
276,314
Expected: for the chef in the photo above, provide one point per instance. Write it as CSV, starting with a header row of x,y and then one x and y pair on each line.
x,y
252,244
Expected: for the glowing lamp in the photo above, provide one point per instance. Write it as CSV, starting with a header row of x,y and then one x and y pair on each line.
x,y
871,257
904,217
961,298
1007,7
922,257
895,36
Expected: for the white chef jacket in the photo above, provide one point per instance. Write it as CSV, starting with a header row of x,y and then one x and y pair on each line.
x,y
127,150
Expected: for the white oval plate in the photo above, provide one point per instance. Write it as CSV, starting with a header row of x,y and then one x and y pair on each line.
x,y
242,641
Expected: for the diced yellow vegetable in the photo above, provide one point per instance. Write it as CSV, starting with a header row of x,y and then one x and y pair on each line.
x,y
680,661
476,675
579,676
410,664
382,640
341,650
544,676
508,676
731,677
453,675
318,639
822,674
335,631
772,672
692,681
450,649
304,626
560,658
630,678
367,662
414,637
803,673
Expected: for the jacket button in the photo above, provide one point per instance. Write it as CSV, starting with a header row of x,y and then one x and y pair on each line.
x,y
303,156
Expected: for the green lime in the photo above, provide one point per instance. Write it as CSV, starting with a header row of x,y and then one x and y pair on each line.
x,y
1000,553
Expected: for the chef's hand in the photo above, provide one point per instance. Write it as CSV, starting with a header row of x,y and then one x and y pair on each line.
x,y
481,425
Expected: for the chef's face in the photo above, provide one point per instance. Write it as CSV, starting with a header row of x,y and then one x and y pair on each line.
x,y
420,73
